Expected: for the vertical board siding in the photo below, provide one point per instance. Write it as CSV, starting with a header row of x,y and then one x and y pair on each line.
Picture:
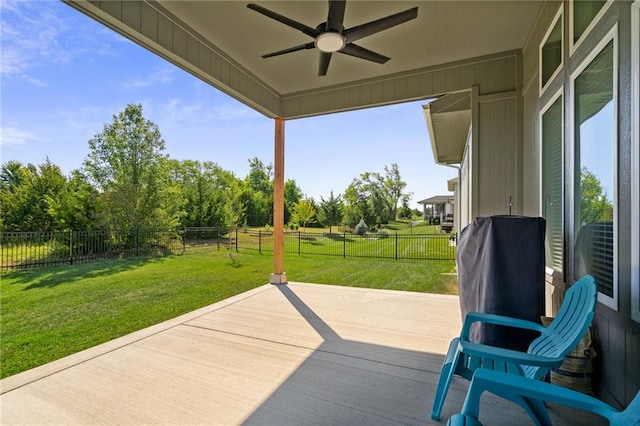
x,y
149,23
531,155
497,161
494,74
632,351
131,14
165,32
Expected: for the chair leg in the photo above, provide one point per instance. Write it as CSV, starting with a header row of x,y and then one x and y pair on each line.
x,y
536,408
462,420
446,375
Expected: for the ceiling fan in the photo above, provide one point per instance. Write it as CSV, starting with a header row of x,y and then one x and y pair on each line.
x,y
330,36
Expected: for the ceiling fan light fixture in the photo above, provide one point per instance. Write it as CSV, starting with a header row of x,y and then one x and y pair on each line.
x,y
330,42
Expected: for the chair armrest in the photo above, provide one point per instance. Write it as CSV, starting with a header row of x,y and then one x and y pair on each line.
x,y
472,317
508,355
503,384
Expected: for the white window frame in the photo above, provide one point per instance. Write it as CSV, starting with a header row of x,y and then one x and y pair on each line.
x,y
552,100
612,34
558,16
635,161
574,46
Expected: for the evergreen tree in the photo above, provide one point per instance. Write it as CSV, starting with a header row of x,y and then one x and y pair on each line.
x,y
330,211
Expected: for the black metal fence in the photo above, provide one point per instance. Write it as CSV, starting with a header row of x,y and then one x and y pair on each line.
x,y
33,249
380,245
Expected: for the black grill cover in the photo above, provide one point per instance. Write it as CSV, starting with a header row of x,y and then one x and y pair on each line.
x,y
501,271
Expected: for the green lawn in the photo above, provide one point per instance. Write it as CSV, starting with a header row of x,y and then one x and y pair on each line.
x,y
52,312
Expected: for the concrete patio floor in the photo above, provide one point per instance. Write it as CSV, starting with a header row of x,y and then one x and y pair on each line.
x,y
296,354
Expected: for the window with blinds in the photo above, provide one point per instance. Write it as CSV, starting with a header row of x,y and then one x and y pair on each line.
x,y
594,96
552,189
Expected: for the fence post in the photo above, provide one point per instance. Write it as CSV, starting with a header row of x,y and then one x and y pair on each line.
x,y
260,241
299,236
236,240
184,239
344,244
137,242
396,246
70,247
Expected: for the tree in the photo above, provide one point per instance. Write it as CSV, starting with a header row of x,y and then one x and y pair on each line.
x,y
594,204
12,176
292,195
375,197
356,204
393,187
25,192
260,177
330,211
74,208
304,212
233,209
258,194
203,186
405,211
127,165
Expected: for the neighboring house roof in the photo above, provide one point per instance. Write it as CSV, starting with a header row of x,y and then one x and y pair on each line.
x,y
437,199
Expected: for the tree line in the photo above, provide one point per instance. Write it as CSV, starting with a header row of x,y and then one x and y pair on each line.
x,y
128,181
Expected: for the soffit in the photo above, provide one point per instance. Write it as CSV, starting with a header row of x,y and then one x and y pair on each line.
x,y
444,32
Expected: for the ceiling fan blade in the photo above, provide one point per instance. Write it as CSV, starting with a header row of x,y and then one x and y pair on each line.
x,y
323,65
362,53
336,15
311,32
291,49
364,30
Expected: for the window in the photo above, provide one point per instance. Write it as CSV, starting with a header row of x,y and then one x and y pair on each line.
x,y
551,208
551,52
595,147
635,169
583,16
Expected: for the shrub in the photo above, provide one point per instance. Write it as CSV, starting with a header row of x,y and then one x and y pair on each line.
x,y
383,233
361,228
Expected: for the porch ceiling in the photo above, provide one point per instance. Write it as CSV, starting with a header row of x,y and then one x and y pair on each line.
x,y
222,43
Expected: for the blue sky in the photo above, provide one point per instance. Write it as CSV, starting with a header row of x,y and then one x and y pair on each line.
x,y
64,76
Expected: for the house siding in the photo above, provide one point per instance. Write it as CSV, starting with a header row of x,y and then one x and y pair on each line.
x,y
492,74
616,335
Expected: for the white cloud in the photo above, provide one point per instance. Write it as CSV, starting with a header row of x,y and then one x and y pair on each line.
x,y
35,35
178,111
231,112
14,136
162,75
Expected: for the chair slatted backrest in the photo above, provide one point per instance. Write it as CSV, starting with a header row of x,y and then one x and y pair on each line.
x,y
568,327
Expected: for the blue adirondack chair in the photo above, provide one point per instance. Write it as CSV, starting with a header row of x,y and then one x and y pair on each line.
x,y
516,388
544,353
